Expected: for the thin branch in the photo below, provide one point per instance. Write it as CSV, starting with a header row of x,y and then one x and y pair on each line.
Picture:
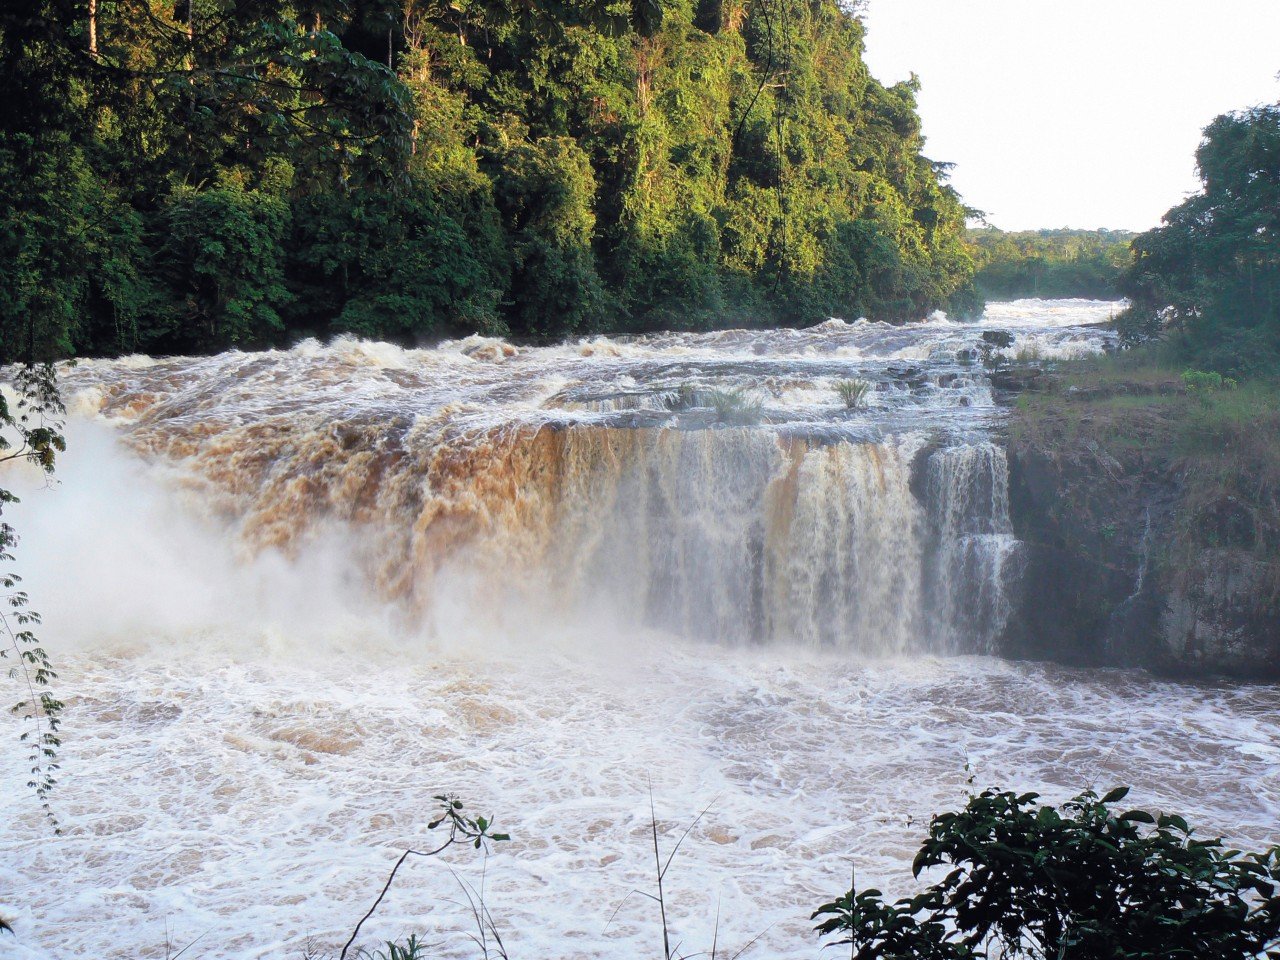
x,y
657,862
387,886
752,942
687,831
190,945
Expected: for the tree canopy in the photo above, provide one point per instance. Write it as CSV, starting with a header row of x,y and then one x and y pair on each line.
x,y
1209,278
192,175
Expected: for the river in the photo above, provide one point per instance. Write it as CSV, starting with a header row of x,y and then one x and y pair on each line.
x,y
295,594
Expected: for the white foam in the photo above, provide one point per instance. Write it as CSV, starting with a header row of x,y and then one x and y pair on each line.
x,y
260,801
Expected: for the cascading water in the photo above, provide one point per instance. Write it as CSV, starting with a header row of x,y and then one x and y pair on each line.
x,y
708,485
968,501
293,595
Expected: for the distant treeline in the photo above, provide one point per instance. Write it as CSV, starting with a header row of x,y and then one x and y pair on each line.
x,y
1050,263
189,176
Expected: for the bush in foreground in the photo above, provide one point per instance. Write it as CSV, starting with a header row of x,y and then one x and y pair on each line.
x,y
1077,882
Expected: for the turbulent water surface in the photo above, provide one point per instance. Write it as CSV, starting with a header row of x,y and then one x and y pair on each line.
x,y
296,594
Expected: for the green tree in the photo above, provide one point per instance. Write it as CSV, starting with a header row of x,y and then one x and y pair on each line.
x,y
72,252
194,175
1209,278
221,261
545,194
399,265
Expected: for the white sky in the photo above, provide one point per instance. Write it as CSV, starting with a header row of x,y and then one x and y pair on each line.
x,y
1077,113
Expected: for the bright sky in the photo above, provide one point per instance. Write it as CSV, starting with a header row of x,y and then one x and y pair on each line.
x,y
1076,113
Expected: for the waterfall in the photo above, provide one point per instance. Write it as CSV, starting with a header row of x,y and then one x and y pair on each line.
x,y
735,535
968,503
741,536
713,486
291,593
738,535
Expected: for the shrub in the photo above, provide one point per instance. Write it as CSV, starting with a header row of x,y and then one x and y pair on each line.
x,y
1079,881
736,406
1206,381
460,828
411,949
853,393
1029,353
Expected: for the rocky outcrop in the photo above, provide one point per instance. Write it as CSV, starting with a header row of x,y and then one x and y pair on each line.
x,y
1125,564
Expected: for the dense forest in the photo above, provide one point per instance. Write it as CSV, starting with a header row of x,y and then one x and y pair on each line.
x,y
1050,263
189,176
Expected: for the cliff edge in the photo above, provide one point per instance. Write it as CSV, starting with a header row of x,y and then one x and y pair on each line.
x,y
1149,514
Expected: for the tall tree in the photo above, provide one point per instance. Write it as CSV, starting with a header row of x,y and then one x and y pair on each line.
x,y
1210,276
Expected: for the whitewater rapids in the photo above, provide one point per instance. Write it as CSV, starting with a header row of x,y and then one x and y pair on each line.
x,y
294,595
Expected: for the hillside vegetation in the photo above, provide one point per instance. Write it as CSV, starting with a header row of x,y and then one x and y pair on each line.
x,y
189,177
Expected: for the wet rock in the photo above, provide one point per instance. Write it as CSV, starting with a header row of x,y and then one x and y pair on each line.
x,y
491,351
346,435
698,419
1017,379
1228,522
912,376
920,469
639,419
1112,574
1217,620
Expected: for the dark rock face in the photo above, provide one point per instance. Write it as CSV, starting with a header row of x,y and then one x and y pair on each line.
x,y
1109,575
1014,380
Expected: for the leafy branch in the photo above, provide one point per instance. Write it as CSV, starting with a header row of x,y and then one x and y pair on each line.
x,y
35,417
1080,880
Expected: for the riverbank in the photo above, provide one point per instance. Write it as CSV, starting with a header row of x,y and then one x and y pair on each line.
x,y
1148,503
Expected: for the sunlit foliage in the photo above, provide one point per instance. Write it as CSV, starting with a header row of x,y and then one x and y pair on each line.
x,y
1086,880
193,176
